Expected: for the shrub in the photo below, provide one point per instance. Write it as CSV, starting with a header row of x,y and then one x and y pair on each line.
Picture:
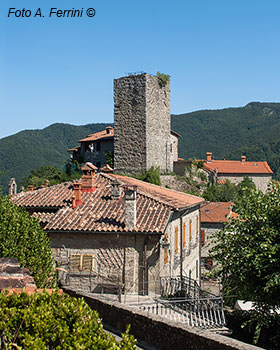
x,y
44,321
152,176
23,238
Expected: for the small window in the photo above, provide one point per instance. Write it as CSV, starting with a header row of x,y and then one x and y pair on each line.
x,y
88,263
75,262
98,164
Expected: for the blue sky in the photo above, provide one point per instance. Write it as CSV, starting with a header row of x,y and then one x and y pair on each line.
x,y
218,53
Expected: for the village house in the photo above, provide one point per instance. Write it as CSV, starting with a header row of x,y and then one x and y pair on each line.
x,y
113,233
235,171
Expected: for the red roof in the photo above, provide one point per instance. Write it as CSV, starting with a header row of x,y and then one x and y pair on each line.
x,y
237,167
217,212
99,212
99,135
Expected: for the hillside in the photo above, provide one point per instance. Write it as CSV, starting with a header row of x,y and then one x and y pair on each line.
x,y
31,149
253,130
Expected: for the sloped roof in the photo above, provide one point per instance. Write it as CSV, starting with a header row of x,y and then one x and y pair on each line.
x,y
99,212
99,135
237,167
217,212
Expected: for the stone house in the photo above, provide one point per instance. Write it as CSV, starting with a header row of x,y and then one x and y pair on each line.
x,y
113,233
235,171
93,148
213,217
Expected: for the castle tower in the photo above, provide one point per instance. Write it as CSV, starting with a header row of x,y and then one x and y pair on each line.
x,y
142,124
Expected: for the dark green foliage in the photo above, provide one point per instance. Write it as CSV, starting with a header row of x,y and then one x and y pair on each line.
x,y
54,175
22,237
252,130
152,176
43,321
243,325
248,250
228,192
109,155
32,149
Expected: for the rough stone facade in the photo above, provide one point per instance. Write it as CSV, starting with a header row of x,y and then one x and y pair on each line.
x,y
129,263
142,124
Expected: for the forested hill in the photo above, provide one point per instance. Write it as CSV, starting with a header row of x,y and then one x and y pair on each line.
x,y
253,130
31,149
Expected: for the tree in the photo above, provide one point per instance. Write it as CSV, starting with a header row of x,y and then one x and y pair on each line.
x,y
248,251
220,193
152,176
54,321
22,237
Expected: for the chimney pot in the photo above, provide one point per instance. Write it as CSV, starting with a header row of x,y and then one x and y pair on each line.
x,y
77,197
209,156
243,159
88,177
130,206
108,130
30,188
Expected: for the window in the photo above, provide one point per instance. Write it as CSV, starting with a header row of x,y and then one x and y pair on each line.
x,y
202,238
190,231
81,262
176,240
184,235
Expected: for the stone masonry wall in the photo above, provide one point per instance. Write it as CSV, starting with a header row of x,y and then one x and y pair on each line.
x,y
158,137
158,331
130,123
142,124
261,181
121,262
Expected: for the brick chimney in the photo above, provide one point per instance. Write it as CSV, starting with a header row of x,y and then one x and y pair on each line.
x,y
46,183
130,206
12,186
116,190
209,156
243,159
30,188
77,196
88,177
109,130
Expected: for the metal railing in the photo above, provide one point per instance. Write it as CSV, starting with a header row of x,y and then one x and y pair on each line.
x,y
205,313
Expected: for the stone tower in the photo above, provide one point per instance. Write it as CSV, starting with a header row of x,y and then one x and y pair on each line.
x,y
142,124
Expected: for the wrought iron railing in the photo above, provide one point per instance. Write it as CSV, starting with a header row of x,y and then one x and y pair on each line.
x,y
205,313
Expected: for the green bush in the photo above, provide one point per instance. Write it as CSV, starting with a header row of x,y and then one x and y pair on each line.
x,y
152,176
22,237
44,321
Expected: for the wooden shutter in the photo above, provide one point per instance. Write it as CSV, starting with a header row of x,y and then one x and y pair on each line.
x,y
75,262
88,263
176,240
166,252
202,238
190,233
184,235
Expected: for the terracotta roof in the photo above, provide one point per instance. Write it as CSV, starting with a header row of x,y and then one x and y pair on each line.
x,y
237,167
44,217
216,212
98,136
99,212
74,149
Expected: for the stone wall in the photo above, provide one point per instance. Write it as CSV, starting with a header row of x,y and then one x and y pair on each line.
x,y
158,331
142,124
121,262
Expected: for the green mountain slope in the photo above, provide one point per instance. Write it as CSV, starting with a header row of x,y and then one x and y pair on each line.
x,y
31,149
253,130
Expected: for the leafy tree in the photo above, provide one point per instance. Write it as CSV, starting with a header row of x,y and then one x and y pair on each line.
x,y
152,176
248,250
22,237
109,155
54,175
44,321
220,193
